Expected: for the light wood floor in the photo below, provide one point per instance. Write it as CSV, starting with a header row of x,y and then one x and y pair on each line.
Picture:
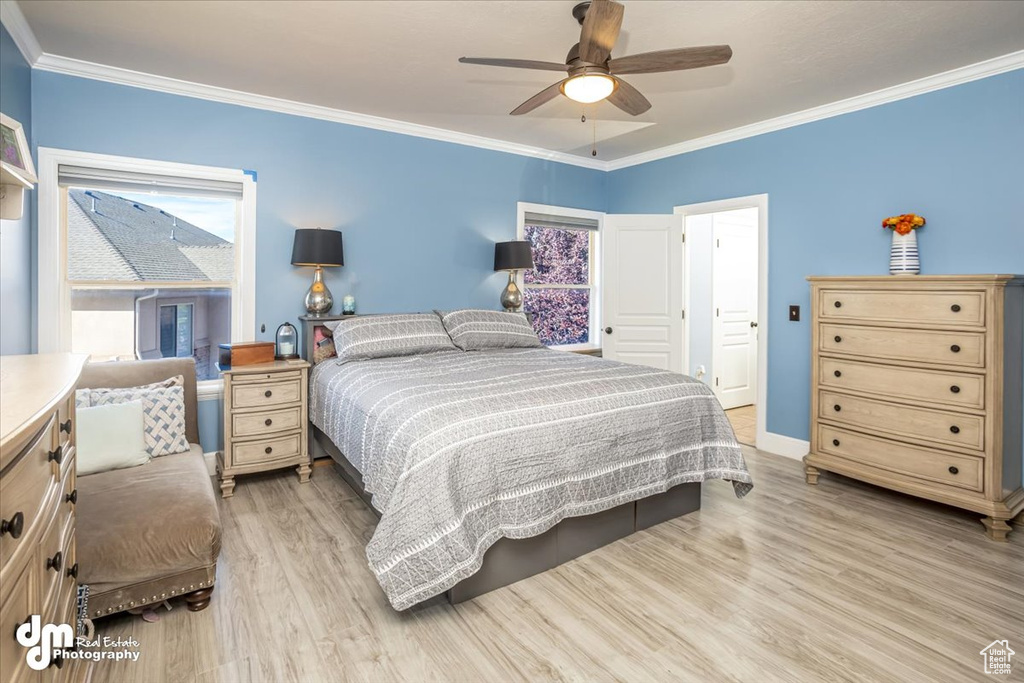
x,y
793,583
744,423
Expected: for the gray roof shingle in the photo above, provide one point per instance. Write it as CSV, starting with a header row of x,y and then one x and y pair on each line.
x,y
142,243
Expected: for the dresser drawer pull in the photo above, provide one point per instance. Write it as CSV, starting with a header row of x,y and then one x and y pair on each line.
x,y
72,497
268,393
954,429
73,571
837,407
838,339
837,373
55,456
955,389
953,469
55,561
839,304
268,450
955,308
268,422
835,442
955,348
14,526
66,426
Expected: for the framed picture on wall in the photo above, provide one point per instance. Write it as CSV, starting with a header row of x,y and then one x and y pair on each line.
x,y
15,157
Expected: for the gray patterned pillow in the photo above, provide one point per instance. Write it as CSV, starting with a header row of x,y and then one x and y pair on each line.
x,y
475,330
163,414
381,336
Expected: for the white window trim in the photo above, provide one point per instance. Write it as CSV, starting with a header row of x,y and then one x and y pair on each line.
x,y
522,208
53,312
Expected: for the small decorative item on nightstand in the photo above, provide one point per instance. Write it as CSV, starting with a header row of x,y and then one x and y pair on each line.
x,y
513,257
264,421
348,305
287,342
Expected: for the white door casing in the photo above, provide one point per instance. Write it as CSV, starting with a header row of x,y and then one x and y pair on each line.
x,y
643,290
734,327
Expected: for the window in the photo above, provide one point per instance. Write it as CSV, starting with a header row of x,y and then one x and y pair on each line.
x,y
560,292
149,264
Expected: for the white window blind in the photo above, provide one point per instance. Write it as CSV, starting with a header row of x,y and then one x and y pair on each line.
x,y
127,181
559,222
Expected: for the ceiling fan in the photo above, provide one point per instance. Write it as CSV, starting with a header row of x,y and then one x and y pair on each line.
x,y
594,75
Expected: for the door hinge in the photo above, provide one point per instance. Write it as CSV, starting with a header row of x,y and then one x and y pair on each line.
x,y
684,314
716,381
684,238
716,312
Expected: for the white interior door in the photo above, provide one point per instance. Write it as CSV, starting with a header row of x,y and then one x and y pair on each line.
x,y
734,328
642,290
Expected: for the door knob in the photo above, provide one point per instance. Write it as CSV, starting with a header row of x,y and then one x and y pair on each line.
x,y
753,324
607,330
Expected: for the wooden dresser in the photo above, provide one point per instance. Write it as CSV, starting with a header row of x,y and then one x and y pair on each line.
x,y
38,574
265,423
916,386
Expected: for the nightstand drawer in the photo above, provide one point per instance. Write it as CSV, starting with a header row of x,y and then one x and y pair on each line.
x,y
265,422
265,450
935,308
266,394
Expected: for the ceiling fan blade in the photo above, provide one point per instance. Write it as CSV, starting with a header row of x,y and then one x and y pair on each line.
x,y
600,30
545,95
628,99
515,63
671,60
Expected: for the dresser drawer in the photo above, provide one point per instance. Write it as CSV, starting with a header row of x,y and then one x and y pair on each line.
x,y
266,394
928,386
265,450
966,349
903,422
51,558
24,489
17,607
265,422
905,307
950,469
67,585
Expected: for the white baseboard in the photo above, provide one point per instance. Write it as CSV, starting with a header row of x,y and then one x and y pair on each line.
x,y
786,446
211,462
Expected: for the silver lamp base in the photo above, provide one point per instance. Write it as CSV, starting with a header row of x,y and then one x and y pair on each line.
x,y
318,299
512,296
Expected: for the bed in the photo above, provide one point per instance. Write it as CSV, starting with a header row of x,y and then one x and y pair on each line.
x,y
485,467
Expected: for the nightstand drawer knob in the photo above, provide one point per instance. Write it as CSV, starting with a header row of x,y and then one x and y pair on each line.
x,y
954,470
839,304
955,348
268,393
837,407
268,422
838,339
837,373
954,429
955,389
268,450
835,442
955,308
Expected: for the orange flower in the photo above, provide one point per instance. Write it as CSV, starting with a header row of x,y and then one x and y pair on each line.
x,y
903,223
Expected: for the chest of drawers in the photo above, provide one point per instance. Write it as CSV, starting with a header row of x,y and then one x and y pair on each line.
x,y
916,385
264,421
38,571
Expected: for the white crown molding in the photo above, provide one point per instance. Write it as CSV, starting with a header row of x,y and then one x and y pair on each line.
x,y
14,21
174,86
946,79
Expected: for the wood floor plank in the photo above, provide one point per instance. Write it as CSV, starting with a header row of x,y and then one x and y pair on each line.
x,y
840,581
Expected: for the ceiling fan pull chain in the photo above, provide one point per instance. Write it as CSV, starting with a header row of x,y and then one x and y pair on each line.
x,y
593,149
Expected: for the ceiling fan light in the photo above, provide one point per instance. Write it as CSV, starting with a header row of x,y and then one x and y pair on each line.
x,y
588,88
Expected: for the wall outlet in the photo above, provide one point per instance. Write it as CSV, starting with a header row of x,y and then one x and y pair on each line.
x,y
701,371
794,314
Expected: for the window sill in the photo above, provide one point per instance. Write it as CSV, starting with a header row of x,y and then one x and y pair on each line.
x,y
588,349
210,390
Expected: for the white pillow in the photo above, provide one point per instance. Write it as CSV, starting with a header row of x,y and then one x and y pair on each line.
x,y
110,437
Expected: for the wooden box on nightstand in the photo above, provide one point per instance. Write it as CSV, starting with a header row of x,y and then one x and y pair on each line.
x,y
264,421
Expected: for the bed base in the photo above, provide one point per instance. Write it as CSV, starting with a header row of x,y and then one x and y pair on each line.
x,y
511,559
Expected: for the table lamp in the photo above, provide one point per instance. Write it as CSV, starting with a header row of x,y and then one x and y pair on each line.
x,y
318,248
512,256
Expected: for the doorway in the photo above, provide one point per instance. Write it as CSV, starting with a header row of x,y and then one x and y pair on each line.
x,y
726,304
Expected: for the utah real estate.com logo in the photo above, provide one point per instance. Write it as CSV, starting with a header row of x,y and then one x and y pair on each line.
x,y
997,656
42,640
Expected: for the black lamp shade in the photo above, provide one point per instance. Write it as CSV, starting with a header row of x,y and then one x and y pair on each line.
x,y
316,247
513,255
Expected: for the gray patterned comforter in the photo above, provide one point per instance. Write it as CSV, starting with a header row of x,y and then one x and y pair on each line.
x,y
460,449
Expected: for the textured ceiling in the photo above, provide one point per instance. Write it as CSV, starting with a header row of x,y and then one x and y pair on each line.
x,y
398,59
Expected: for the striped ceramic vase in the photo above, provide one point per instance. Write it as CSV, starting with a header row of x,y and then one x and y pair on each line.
x,y
903,257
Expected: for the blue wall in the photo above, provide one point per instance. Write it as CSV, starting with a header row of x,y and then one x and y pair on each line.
x,y
955,156
16,272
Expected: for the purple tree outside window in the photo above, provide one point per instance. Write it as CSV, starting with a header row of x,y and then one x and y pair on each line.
x,y
560,257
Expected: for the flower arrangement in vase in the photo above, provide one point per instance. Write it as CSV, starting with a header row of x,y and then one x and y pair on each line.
x,y
904,258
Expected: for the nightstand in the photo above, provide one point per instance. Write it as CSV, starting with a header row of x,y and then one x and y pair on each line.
x,y
264,421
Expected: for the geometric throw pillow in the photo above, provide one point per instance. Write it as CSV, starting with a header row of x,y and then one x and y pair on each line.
x,y
384,336
163,414
477,330
82,395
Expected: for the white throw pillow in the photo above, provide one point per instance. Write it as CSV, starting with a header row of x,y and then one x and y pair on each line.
x,y
111,437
